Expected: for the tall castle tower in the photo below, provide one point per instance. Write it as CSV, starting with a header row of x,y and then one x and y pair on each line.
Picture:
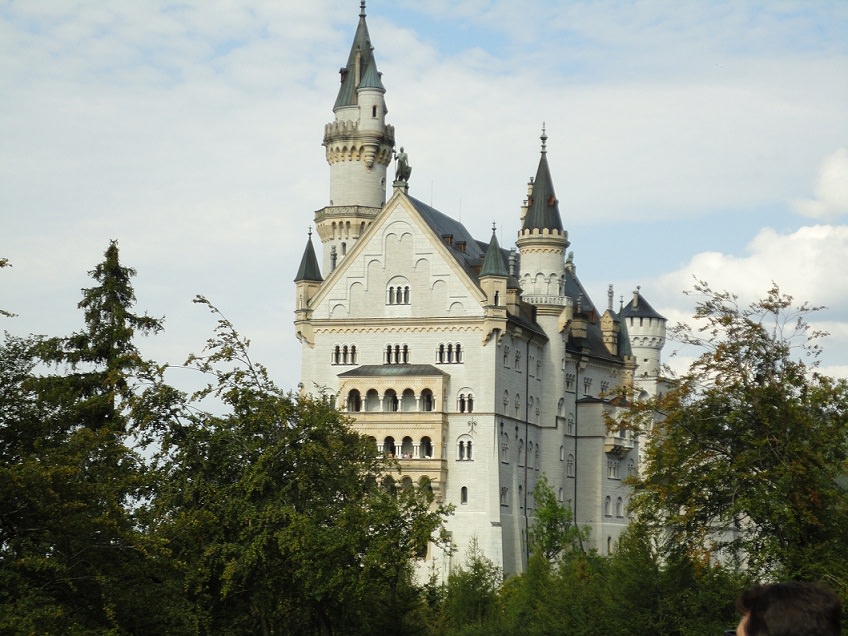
x,y
542,241
359,147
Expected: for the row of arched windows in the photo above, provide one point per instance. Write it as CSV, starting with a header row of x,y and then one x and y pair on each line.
x,y
397,295
344,354
406,448
450,353
396,354
390,401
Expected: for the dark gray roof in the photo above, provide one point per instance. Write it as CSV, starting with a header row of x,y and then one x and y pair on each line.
x,y
543,207
493,263
362,45
392,370
308,269
638,307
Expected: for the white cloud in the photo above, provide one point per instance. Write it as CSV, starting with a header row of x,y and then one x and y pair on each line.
x,y
831,190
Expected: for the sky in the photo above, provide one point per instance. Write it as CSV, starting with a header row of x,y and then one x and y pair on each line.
x,y
686,140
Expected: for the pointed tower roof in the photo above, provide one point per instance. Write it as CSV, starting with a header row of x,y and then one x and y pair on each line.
x,y
543,207
308,269
640,308
493,263
360,64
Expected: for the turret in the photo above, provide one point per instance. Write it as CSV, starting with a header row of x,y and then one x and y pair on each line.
x,y
542,241
646,329
307,283
359,147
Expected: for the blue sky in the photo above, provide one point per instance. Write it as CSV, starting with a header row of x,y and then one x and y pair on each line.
x,y
704,139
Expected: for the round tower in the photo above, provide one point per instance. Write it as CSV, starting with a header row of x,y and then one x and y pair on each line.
x,y
358,146
646,329
542,241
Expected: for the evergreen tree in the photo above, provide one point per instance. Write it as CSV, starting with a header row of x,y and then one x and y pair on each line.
x,y
73,558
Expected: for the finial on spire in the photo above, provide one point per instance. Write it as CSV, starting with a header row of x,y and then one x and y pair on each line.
x,y
494,227
309,231
544,139
362,9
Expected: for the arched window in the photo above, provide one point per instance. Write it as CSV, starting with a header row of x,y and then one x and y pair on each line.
x,y
464,444
468,447
619,507
497,298
530,454
607,506
559,495
427,401
354,401
461,450
463,495
450,353
458,350
569,466
406,448
405,354
336,355
406,295
470,402
504,448
390,401
344,354
426,448
521,452
562,453
389,446
520,496
440,354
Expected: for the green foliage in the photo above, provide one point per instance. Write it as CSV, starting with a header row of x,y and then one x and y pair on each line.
x,y
553,533
73,556
748,457
275,515
471,593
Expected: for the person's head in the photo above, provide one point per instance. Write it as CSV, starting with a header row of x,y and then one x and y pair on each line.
x,y
789,609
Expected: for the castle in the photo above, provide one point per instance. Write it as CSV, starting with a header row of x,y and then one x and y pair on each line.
x,y
479,369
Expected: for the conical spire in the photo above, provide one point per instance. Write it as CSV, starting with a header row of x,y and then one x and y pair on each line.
x,y
543,207
308,269
359,63
493,262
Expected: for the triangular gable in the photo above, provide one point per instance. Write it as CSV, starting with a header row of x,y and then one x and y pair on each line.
x,y
400,243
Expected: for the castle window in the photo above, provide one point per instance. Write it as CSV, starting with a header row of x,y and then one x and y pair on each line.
x,y
427,401
569,381
520,496
390,401
604,387
344,354
560,495
505,400
619,507
389,449
587,385
463,495
465,403
608,506
506,356
397,293
631,468
426,448
497,298
504,448
612,469
440,354
521,452
517,360
569,466
464,448
354,401
406,449
504,492
373,111
397,354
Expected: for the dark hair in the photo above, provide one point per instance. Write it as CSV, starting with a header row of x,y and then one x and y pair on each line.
x,y
790,609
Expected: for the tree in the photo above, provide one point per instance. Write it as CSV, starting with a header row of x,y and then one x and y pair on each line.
x,y
274,509
471,594
73,557
553,532
748,457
